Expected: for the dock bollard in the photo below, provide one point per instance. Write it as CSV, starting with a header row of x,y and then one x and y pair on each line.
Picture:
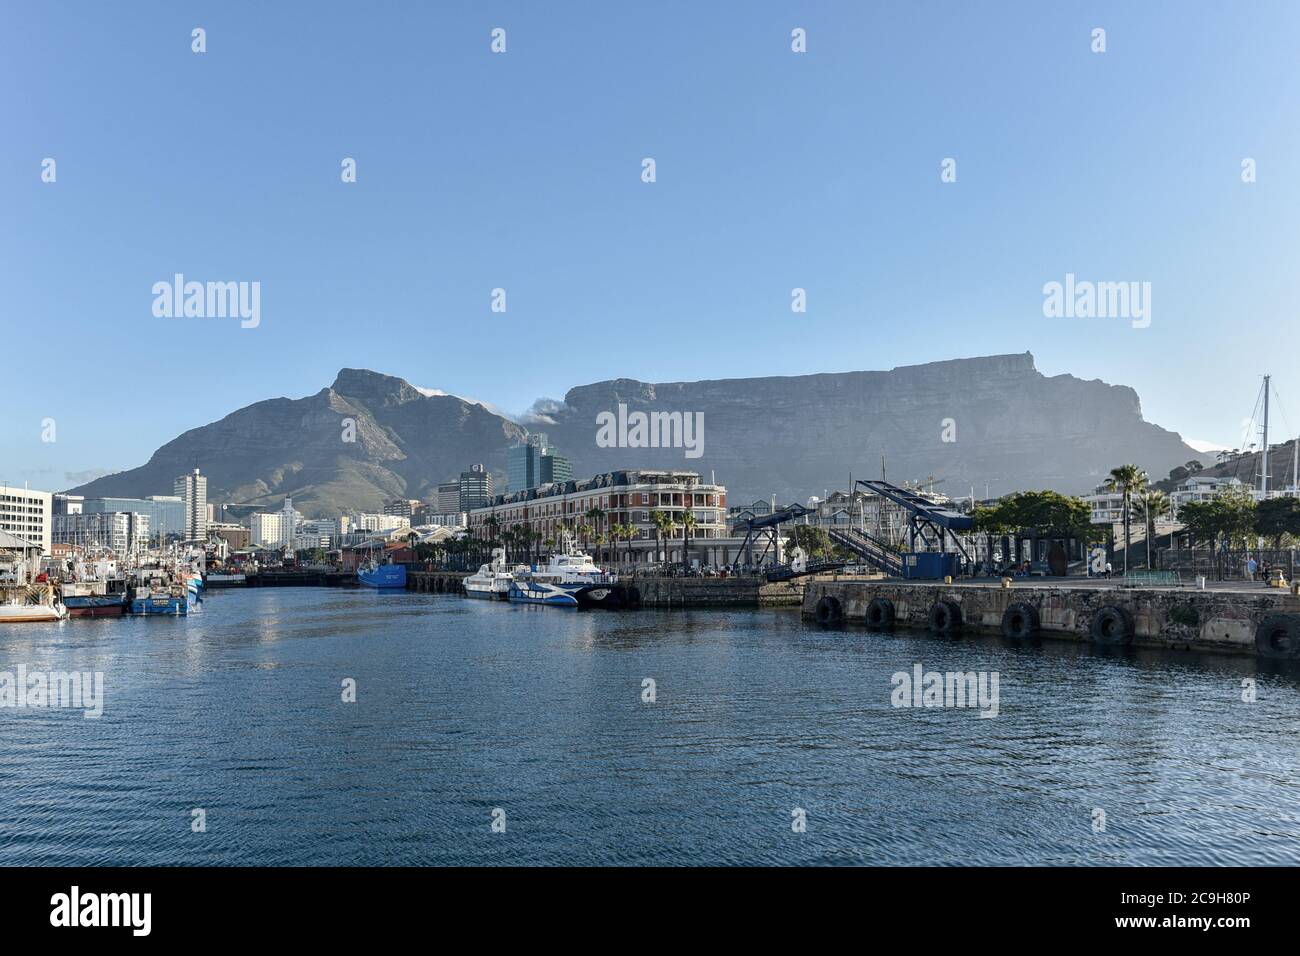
x,y
947,579
1200,582
1006,583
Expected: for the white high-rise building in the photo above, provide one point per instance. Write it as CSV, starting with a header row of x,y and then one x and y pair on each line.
x,y
26,514
266,529
288,523
194,490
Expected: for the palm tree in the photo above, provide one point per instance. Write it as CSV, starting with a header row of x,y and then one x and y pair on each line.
x,y
1127,479
595,515
687,521
663,527
627,532
1152,504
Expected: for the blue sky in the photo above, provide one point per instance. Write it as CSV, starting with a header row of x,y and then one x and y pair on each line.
x,y
522,171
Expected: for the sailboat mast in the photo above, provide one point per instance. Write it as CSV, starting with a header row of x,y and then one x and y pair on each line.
x,y
1264,459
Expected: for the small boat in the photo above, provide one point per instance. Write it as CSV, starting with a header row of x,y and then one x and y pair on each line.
x,y
574,573
91,598
491,581
18,612
374,575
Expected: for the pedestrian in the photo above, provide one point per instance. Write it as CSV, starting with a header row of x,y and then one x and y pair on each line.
x,y
1252,568
1108,570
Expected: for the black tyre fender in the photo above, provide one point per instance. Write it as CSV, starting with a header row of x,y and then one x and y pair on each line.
x,y
1278,635
1020,621
1112,625
880,613
945,617
829,610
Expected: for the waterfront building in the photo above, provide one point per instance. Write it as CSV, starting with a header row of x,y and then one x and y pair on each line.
x,y
236,536
123,532
626,498
166,513
475,490
26,514
193,490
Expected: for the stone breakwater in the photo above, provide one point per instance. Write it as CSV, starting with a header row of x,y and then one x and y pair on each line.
x,y
1263,622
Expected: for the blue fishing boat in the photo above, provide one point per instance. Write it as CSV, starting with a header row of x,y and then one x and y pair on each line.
x,y
382,575
170,601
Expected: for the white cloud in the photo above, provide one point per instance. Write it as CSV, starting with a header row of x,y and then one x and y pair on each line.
x,y
1204,446
494,409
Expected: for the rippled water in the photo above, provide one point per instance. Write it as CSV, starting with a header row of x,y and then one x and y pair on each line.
x,y
465,707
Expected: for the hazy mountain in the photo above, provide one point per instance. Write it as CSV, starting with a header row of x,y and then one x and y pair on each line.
x,y
406,441
1010,427
967,422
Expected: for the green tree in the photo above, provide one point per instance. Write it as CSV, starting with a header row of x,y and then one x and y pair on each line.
x,y
1278,517
815,541
663,527
687,521
595,515
1127,479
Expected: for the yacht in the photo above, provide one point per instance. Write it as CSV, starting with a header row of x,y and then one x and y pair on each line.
x,y
492,580
568,579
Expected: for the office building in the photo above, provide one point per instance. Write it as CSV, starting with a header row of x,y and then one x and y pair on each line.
x,y
193,490
475,489
26,514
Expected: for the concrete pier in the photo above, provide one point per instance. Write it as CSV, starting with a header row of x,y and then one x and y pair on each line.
x,y
716,592
1243,620
656,591
437,582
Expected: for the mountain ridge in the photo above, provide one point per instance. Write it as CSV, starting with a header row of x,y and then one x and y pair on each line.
x,y
967,421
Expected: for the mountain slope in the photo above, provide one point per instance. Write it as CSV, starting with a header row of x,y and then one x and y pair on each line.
x,y
1012,428
405,443
968,422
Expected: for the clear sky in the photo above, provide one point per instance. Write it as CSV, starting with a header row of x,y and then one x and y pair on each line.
x,y
522,170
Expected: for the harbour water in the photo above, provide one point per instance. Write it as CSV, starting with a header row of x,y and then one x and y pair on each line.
x,y
465,708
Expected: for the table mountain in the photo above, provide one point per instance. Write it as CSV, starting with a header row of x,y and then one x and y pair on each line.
x,y
1008,425
967,422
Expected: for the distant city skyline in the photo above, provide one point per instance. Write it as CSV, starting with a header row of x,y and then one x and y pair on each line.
x,y
775,171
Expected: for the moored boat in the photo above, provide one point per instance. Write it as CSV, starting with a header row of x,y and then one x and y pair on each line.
x,y
95,605
385,576
17,612
533,589
491,581
570,572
